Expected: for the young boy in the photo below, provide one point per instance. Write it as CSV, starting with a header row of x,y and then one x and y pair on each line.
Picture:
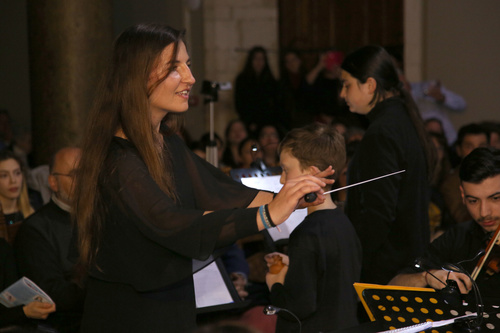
x,y
324,252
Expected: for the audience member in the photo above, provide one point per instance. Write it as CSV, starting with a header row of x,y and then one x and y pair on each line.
x,y
293,91
251,154
237,268
6,129
38,181
14,199
219,146
353,133
339,126
199,149
269,138
439,216
340,197
493,129
480,189
435,101
390,214
235,133
324,253
470,137
256,91
434,125
43,244
324,85
21,315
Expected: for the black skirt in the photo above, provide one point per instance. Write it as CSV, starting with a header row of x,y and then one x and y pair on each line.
x,y
114,307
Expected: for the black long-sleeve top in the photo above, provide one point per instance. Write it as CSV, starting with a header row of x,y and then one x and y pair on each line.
x,y
142,280
390,215
325,261
148,239
460,244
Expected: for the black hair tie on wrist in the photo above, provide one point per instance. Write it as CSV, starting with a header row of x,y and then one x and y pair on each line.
x,y
269,216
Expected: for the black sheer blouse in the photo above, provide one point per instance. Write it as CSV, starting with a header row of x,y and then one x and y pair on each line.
x,y
149,240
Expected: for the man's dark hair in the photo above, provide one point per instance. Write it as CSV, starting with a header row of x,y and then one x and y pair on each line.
x,y
480,164
474,129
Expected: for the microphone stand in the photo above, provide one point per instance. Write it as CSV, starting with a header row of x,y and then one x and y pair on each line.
x,y
477,296
211,149
451,290
210,90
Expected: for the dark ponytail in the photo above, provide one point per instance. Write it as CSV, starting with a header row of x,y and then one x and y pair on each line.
x,y
375,62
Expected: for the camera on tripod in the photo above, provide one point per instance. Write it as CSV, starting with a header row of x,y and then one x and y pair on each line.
x,y
211,89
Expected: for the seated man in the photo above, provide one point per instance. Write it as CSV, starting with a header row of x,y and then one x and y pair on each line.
x,y
43,244
480,187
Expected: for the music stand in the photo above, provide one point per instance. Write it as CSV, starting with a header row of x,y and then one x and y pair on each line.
x,y
397,307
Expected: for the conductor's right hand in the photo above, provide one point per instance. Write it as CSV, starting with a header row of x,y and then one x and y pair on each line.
x,y
291,195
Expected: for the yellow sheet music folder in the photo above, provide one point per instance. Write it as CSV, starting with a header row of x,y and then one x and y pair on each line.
x,y
360,287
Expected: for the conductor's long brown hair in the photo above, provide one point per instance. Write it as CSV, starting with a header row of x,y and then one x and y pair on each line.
x,y
122,102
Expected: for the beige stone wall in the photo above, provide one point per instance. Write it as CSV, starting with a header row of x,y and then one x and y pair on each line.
x,y
457,42
231,28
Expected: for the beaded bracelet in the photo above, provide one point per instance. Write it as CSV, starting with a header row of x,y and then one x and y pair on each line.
x,y
265,222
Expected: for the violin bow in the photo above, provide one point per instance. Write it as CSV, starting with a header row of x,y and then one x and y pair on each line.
x,y
494,240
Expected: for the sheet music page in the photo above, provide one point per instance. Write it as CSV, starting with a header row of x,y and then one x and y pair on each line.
x,y
272,183
210,288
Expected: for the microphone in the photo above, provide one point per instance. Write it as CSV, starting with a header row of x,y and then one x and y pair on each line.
x,y
270,310
450,293
474,325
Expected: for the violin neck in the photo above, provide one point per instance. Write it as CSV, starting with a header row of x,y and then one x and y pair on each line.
x,y
493,241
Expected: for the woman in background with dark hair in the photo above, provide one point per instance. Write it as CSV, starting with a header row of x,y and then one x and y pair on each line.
x,y
293,91
145,205
256,91
14,199
235,133
269,138
391,214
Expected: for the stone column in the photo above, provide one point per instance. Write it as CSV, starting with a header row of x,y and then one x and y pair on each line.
x,y
69,44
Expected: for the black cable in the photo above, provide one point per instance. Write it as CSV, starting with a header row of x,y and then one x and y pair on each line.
x,y
272,310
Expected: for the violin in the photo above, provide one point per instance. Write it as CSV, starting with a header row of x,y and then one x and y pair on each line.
x,y
490,261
